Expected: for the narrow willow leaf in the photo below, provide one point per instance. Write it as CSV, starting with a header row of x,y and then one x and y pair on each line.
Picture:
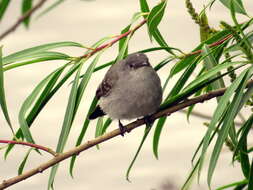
x,y
54,56
211,73
175,90
26,6
187,184
218,114
161,41
67,123
250,183
163,63
82,133
22,165
106,125
48,92
3,6
238,6
122,40
243,182
27,105
167,48
37,49
99,128
233,109
51,7
155,17
184,62
157,135
146,132
186,93
2,93
144,7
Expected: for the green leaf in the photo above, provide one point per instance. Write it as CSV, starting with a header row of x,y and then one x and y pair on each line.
x,y
45,95
250,183
3,7
27,105
2,93
155,17
26,6
238,6
219,111
144,7
106,125
179,66
233,184
22,165
51,7
146,132
122,40
36,58
242,147
211,73
26,53
82,133
67,123
157,135
233,109
99,128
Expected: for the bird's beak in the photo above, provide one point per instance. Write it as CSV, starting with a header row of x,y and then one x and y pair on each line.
x,y
145,64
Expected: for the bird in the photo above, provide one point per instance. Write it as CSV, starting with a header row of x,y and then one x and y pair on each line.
x,y
130,89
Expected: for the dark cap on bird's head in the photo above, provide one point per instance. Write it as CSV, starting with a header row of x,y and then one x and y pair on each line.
x,y
137,60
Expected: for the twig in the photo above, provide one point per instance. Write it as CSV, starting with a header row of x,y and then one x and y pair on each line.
x,y
115,40
75,151
21,19
50,151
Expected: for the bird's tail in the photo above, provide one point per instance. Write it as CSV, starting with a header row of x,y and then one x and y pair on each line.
x,y
98,112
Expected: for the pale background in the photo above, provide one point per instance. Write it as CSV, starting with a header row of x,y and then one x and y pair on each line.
x,y
87,22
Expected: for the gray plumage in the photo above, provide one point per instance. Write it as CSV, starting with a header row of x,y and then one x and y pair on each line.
x,y
131,89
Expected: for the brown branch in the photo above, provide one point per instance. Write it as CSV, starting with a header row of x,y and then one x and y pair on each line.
x,y
50,151
75,151
119,37
21,19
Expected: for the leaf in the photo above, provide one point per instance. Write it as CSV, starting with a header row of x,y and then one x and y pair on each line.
x,y
3,103
157,134
67,123
45,95
238,5
3,7
82,133
233,109
26,106
22,165
51,7
144,7
146,132
99,128
219,111
155,17
250,183
36,58
24,54
179,66
26,6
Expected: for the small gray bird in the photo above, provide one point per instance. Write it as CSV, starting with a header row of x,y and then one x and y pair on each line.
x,y
130,89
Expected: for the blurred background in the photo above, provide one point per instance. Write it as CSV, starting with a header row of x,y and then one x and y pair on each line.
x,y
86,22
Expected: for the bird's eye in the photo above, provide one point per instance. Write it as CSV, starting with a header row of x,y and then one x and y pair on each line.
x,y
131,65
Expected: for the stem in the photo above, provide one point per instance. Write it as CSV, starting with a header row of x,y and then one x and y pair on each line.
x,y
50,151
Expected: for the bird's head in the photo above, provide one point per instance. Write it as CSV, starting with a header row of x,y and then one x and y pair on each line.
x,y
137,60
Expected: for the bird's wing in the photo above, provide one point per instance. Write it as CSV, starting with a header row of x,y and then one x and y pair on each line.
x,y
108,82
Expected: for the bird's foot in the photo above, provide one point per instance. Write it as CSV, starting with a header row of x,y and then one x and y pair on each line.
x,y
148,120
123,129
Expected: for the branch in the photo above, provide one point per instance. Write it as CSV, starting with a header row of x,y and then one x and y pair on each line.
x,y
21,19
49,150
75,151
